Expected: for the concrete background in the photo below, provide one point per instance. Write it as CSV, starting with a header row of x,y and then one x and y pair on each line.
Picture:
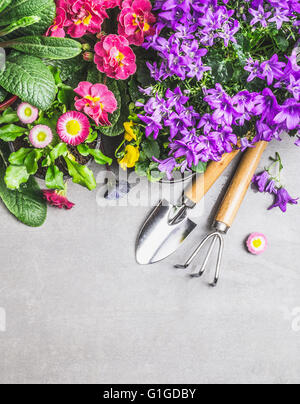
x,y
80,310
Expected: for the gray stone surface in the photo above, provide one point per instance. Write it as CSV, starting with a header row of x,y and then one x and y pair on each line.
x,y
80,310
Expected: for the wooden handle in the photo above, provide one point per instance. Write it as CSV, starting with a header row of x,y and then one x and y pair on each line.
x,y
204,182
239,186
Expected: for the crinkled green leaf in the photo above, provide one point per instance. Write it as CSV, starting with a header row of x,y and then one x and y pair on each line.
x,y
45,9
18,24
3,94
4,4
47,47
30,79
151,148
117,127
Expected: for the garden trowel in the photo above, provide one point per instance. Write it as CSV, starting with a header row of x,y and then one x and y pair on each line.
x,y
168,226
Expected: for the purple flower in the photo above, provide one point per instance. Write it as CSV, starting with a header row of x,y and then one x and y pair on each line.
x,y
254,68
260,16
245,101
245,144
261,181
280,16
289,114
283,199
272,69
266,106
176,98
271,188
263,132
294,87
167,166
297,142
228,33
225,111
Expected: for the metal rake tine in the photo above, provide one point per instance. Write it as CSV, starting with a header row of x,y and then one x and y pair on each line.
x,y
220,256
196,252
208,255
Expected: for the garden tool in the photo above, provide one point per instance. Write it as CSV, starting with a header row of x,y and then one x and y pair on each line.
x,y
228,210
168,226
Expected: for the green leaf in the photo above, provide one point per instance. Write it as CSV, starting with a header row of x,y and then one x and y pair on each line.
x,y
27,203
71,70
45,9
200,168
15,25
141,168
28,78
92,137
9,116
60,150
83,149
54,178
81,175
15,176
3,93
93,74
10,133
31,161
4,4
114,118
46,47
99,157
151,149
282,43
134,91
18,158
66,96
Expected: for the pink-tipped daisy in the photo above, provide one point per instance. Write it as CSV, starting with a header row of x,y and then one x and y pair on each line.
x,y
27,113
257,243
73,128
40,136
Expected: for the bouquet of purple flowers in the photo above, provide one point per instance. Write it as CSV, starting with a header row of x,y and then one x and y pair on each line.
x,y
225,73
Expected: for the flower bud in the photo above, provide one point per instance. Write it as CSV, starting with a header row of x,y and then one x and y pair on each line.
x,y
88,56
86,47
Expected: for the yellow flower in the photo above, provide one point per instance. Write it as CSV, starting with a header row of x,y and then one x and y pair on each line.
x,y
132,155
129,132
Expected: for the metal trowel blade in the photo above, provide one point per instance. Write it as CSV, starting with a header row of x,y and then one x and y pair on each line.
x,y
158,238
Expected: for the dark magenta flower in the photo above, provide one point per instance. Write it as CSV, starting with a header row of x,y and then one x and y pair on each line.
x,y
57,199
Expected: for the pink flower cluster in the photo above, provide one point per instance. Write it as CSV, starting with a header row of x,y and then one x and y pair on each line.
x,y
79,17
114,56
